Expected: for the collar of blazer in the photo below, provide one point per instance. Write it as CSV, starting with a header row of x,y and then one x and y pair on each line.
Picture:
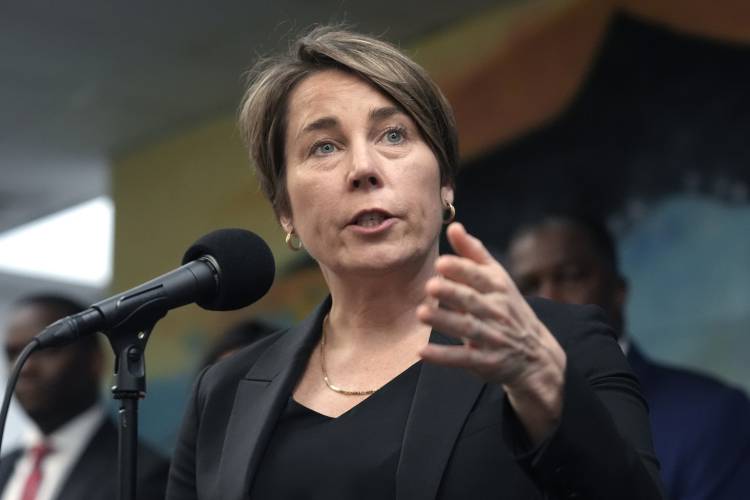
x,y
441,404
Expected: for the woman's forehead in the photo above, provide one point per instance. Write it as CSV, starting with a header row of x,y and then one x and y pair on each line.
x,y
330,83
333,94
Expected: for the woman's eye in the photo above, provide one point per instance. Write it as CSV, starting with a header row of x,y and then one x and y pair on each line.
x,y
395,136
325,148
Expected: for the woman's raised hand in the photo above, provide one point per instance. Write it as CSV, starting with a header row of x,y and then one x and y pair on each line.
x,y
473,299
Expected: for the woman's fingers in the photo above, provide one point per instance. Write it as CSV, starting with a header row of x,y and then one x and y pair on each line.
x,y
458,297
467,245
497,306
497,366
464,326
482,277
473,265
454,356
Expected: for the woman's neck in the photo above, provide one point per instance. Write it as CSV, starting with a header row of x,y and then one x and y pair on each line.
x,y
378,309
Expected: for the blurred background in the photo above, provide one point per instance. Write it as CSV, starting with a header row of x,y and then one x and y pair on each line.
x,y
118,149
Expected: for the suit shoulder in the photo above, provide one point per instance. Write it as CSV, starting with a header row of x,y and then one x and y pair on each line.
x,y
704,389
569,321
584,333
232,368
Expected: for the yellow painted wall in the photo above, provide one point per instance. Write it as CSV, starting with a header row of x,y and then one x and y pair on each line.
x,y
168,194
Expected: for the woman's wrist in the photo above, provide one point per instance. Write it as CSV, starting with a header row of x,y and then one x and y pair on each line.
x,y
537,399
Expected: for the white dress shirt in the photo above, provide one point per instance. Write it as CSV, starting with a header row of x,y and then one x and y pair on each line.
x,y
17,419
68,442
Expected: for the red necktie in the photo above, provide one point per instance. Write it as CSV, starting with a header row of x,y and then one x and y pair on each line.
x,y
38,453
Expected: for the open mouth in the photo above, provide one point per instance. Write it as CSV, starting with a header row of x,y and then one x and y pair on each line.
x,y
370,219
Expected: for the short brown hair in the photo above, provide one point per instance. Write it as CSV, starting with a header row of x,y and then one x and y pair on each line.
x,y
262,115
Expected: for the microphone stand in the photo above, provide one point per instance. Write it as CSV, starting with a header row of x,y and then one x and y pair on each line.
x,y
128,340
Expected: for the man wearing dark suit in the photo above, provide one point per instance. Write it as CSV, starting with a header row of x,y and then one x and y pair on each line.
x,y
701,427
70,450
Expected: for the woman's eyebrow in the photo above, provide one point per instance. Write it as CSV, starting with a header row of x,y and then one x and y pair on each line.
x,y
379,114
323,123
330,122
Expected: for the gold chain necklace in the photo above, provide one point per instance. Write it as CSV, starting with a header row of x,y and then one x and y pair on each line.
x,y
325,373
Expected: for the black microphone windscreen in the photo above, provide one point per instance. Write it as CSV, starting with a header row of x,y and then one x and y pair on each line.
x,y
246,267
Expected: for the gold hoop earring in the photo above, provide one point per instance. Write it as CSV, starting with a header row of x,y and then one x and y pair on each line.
x,y
450,212
293,241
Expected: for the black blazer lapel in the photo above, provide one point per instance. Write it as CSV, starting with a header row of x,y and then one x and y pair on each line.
x,y
259,400
442,401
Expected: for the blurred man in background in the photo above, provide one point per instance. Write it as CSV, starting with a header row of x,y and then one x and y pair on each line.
x,y
701,427
70,451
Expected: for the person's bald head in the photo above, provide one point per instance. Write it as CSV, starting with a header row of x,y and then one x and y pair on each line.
x,y
569,259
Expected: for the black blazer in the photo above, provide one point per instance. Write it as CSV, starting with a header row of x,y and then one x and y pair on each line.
x,y
462,439
94,475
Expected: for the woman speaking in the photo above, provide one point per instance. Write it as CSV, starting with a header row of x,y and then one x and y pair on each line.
x,y
421,376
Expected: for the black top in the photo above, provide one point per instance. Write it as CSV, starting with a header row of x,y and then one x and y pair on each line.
x,y
313,456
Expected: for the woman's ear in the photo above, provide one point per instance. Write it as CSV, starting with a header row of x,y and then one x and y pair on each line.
x,y
446,194
286,223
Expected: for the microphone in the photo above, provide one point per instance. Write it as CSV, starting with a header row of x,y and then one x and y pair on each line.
x,y
224,270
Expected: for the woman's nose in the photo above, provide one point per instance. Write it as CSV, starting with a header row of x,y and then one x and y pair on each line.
x,y
370,180
365,169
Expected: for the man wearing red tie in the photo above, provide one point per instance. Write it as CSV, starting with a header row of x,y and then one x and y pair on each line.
x,y
70,450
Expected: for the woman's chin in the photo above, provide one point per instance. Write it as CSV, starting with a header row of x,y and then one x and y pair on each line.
x,y
381,261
